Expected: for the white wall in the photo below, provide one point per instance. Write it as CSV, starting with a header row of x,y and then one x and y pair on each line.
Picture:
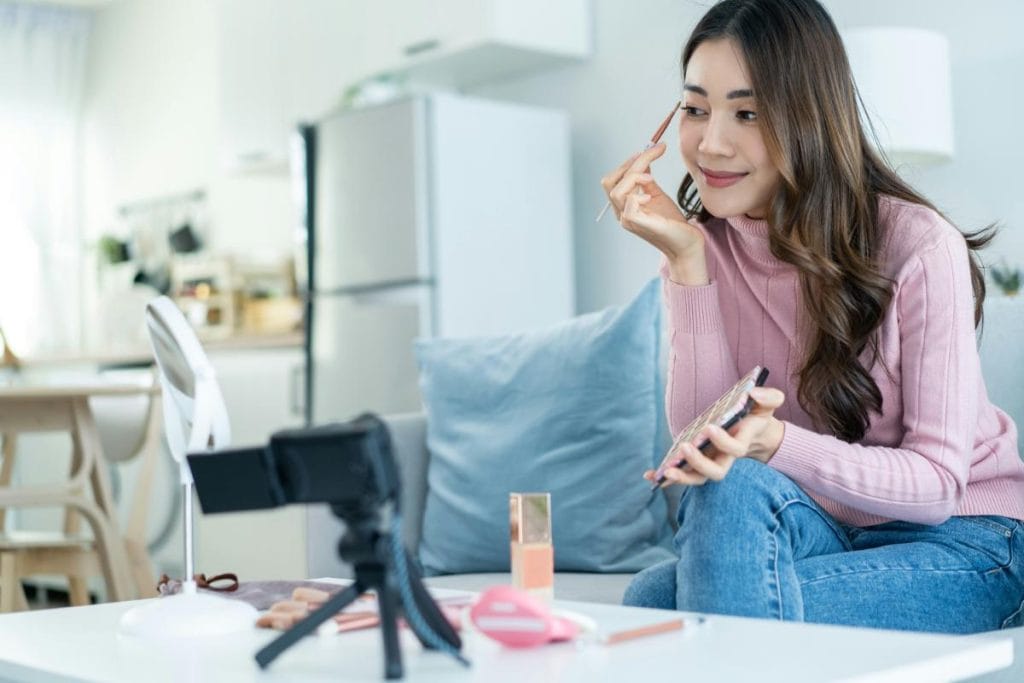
x,y
152,118
151,127
982,182
618,98
150,108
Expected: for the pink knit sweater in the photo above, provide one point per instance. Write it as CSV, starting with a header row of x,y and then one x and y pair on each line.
x,y
939,447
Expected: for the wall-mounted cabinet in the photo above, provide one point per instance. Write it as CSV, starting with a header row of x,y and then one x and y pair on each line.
x,y
283,62
251,75
460,43
279,63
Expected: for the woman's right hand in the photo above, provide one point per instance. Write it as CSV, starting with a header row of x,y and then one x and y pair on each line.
x,y
644,209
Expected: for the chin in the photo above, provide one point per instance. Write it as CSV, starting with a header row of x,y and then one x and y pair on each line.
x,y
722,209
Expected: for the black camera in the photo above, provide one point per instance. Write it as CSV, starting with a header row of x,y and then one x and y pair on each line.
x,y
350,466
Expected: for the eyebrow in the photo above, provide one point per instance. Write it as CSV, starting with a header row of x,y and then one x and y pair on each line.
x,y
731,95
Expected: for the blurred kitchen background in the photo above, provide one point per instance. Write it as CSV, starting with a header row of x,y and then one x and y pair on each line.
x,y
150,146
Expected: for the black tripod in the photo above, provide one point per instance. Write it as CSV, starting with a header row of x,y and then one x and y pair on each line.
x,y
368,548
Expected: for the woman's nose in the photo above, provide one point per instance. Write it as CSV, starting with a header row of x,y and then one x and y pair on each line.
x,y
715,140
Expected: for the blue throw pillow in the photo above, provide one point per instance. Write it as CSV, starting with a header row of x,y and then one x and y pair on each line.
x,y
574,409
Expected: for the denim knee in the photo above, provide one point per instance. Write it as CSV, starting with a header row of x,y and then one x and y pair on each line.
x,y
748,481
654,587
1016,619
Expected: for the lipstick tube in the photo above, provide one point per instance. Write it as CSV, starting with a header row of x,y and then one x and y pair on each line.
x,y
533,555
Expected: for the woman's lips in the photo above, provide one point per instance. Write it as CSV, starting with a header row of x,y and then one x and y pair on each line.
x,y
721,178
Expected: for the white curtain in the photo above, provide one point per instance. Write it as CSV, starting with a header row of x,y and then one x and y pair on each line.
x,y
42,71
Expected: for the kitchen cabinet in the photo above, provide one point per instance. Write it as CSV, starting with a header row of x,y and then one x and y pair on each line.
x,y
254,123
263,392
282,62
462,43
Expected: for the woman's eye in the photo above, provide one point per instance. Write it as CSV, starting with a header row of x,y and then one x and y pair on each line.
x,y
693,111
747,115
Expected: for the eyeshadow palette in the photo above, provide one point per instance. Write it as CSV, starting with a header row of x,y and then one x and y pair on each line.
x,y
732,407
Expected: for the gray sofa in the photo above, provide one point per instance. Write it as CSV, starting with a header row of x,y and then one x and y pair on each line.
x,y
408,434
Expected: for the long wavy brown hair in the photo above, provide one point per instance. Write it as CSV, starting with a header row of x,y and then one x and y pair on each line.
x,y
824,217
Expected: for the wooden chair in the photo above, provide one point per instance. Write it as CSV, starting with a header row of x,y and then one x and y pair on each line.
x,y
70,552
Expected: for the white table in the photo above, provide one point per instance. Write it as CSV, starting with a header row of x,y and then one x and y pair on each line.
x,y
81,644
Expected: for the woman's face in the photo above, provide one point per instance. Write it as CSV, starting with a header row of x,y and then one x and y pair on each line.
x,y
720,135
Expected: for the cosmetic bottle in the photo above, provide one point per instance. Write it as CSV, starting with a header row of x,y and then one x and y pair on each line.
x,y
533,556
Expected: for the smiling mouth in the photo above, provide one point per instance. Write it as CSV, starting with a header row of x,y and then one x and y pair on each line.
x,y
721,179
720,175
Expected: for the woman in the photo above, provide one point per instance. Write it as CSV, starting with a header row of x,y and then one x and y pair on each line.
x,y
887,490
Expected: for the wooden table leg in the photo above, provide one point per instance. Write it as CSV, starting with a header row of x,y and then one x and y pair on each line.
x,y
78,590
6,469
143,571
109,540
12,595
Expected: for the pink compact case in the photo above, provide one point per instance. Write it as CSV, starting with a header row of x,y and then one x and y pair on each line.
x,y
517,619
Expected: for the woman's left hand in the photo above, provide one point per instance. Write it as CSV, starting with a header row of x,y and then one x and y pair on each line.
x,y
757,436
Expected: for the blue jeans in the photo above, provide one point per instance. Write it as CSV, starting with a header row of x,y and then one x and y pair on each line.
x,y
756,545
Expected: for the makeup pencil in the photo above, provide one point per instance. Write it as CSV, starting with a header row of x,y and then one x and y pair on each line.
x,y
654,140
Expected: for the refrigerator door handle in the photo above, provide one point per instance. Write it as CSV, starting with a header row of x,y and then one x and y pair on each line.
x,y
412,294
297,390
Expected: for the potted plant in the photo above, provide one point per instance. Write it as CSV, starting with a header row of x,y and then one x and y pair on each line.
x,y
1006,278
113,249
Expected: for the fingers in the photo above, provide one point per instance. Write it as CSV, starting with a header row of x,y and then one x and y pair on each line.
x,y
766,400
675,475
632,210
644,159
725,442
612,179
701,467
626,189
713,468
637,164
641,164
747,430
698,469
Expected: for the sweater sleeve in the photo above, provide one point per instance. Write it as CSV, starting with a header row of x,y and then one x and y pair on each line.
x,y
923,478
700,363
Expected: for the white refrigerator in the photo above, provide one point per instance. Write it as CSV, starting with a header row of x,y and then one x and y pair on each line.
x,y
438,214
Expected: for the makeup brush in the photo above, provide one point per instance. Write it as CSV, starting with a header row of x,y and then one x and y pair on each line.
x,y
654,140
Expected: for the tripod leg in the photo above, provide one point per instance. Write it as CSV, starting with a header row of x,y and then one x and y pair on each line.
x,y
388,602
271,651
429,610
